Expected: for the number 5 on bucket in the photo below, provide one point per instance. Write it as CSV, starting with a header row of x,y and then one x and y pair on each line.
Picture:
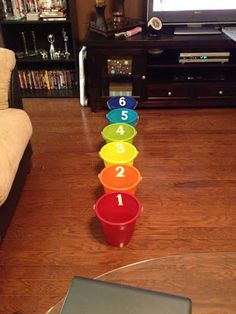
x,y
124,115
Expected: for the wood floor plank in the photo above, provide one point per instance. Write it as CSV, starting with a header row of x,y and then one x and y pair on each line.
x,y
187,158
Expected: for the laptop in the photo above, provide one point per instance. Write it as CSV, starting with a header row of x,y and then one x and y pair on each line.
x,y
91,296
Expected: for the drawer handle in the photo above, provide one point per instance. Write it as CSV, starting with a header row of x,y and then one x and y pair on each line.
x,y
169,94
221,92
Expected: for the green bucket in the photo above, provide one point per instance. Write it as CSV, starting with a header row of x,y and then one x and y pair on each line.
x,y
119,132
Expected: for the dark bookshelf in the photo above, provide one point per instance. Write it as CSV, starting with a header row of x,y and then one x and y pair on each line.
x,y
12,29
69,93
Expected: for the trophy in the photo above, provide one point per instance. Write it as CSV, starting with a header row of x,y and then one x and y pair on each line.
x,y
24,44
43,53
51,40
26,52
65,38
118,13
36,52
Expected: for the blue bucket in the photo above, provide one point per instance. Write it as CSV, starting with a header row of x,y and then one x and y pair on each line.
x,y
122,102
123,115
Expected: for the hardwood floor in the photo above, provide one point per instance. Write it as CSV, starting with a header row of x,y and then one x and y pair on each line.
x,y
187,158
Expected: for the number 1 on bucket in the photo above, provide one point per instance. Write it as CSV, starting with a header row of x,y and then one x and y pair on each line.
x,y
120,200
120,171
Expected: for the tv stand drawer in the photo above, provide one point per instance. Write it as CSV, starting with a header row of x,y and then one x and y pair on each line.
x,y
221,89
170,91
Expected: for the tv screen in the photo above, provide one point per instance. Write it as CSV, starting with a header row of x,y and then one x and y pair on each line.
x,y
193,11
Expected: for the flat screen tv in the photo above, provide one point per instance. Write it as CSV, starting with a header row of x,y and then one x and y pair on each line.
x,y
193,13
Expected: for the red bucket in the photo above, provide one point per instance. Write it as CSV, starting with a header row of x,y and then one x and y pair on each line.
x,y
118,212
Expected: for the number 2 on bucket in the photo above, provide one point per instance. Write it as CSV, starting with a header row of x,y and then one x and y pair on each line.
x,y
122,101
120,130
120,148
120,200
120,171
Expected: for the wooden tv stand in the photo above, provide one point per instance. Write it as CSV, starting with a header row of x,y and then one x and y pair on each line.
x,y
148,68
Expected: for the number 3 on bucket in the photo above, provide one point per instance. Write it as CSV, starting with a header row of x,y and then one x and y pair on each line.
x,y
120,148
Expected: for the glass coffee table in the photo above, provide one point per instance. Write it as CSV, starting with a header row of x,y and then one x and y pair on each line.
x,y
208,279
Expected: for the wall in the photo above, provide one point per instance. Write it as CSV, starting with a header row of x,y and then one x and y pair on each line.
x,y
85,11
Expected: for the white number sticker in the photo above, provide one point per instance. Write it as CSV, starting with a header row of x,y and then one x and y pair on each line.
x,y
124,115
120,130
120,201
121,172
122,101
120,148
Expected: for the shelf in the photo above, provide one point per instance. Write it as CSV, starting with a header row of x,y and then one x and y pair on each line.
x,y
40,60
24,21
65,93
44,77
191,65
120,77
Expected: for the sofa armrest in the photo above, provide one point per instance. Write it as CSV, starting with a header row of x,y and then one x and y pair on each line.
x,y
15,95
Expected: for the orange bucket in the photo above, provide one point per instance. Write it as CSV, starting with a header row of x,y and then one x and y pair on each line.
x,y
120,178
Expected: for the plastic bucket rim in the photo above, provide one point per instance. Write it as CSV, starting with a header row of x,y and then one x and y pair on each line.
x,y
127,121
139,211
110,108
120,140
120,189
118,162
130,97
131,121
108,115
136,152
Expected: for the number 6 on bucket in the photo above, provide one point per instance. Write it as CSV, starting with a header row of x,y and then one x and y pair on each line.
x,y
122,101
120,149
120,200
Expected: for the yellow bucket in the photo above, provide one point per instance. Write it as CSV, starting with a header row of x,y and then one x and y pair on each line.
x,y
118,153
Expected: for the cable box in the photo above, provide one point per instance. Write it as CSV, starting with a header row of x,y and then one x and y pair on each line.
x,y
204,57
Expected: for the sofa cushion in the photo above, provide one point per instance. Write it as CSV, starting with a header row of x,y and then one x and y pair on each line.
x,y
8,62
15,133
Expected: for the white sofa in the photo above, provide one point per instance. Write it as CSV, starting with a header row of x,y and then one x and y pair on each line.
x,y
15,134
